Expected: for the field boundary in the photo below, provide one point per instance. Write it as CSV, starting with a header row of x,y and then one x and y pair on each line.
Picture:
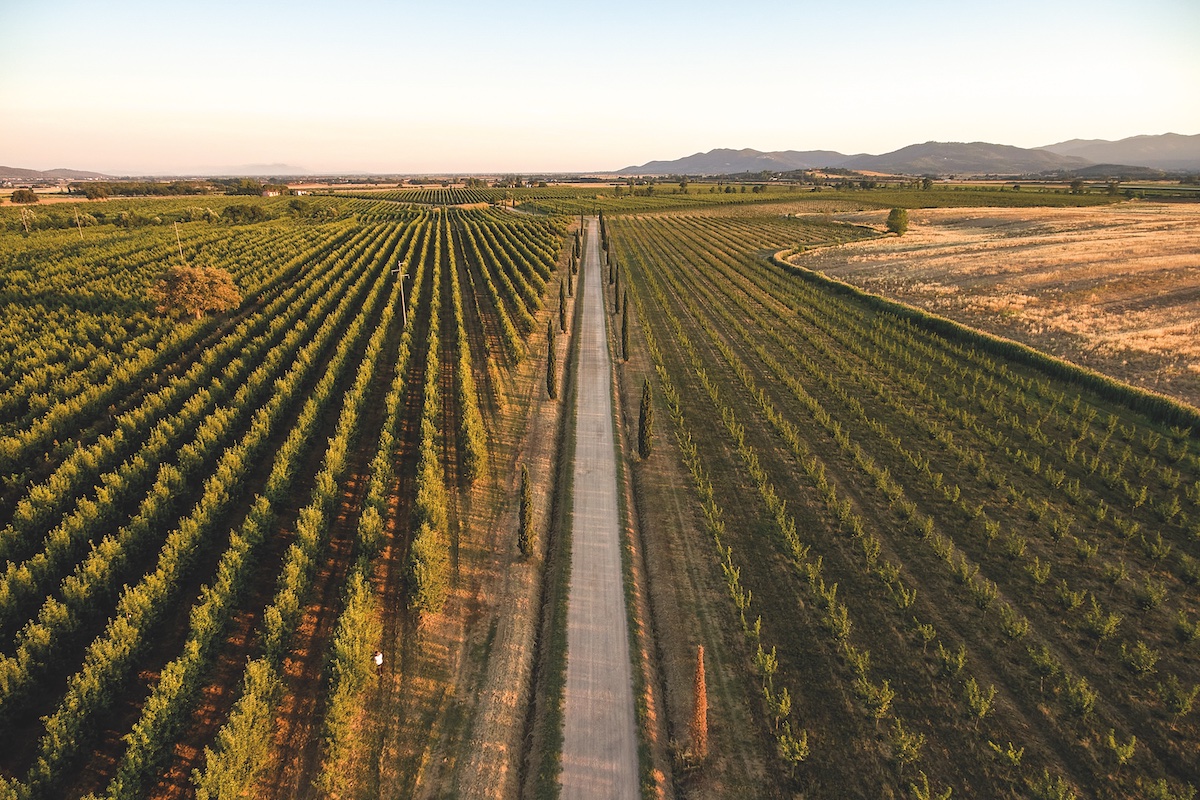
x,y
1157,406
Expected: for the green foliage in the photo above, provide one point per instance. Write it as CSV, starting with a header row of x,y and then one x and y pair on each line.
x,y
243,745
792,747
897,221
551,363
924,791
24,196
526,535
562,307
1080,696
1008,755
1103,626
259,381
244,213
428,570
1122,751
1141,659
1161,789
979,702
1177,698
625,332
906,745
646,421
1051,787
195,291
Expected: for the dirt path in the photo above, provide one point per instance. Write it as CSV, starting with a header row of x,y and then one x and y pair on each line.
x,y
599,754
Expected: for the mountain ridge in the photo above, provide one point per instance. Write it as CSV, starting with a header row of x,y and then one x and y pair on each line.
x,y
1164,151
19,173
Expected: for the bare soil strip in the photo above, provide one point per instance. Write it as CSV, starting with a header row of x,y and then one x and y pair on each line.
x,y
599,757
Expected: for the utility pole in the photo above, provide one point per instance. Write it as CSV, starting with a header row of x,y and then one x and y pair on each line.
x,y
399,270
77,222
177,241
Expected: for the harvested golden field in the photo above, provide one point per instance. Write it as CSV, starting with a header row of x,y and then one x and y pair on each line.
x,y
1115,288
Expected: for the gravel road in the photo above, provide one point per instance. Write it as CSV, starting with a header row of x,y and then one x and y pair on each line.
x,y
599,755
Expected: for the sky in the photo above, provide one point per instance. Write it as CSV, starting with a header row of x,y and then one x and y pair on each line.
x,y
132,87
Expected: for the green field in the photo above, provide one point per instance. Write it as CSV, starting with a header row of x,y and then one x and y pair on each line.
x,y
972,564
200,515
918,557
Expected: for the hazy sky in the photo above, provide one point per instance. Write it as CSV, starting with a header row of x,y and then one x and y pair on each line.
x,y
139,87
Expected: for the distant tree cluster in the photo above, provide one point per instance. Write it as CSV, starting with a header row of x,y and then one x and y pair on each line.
x,y
251,187
24,196
99,190
135,219
241,213
312,211
194,291
71,216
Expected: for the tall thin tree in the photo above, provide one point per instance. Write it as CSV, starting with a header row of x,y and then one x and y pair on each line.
x,y
645,421
625,332
698,728
525,532
562,307
551,362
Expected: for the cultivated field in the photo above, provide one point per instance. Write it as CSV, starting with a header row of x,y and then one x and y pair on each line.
x,y
917,557
948,561
209,525
1115,288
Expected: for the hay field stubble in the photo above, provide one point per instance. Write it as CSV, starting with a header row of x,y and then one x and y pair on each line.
x,y
1114,288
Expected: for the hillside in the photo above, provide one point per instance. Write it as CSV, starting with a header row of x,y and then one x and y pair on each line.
x,y
1170,151
18,173
725,161
946,158
1166,152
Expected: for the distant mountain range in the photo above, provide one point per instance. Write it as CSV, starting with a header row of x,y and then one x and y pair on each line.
x,y
16,173
1137,157
1169,151
1097,157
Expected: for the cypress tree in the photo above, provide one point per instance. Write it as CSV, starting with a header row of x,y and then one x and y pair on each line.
x,y
562,307
525,532
625,332
645,421
571,281
551,362
698,728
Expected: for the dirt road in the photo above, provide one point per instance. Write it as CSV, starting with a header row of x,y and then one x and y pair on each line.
x,y
599,755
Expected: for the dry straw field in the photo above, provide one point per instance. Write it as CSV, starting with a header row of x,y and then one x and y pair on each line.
x,y
1115,288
